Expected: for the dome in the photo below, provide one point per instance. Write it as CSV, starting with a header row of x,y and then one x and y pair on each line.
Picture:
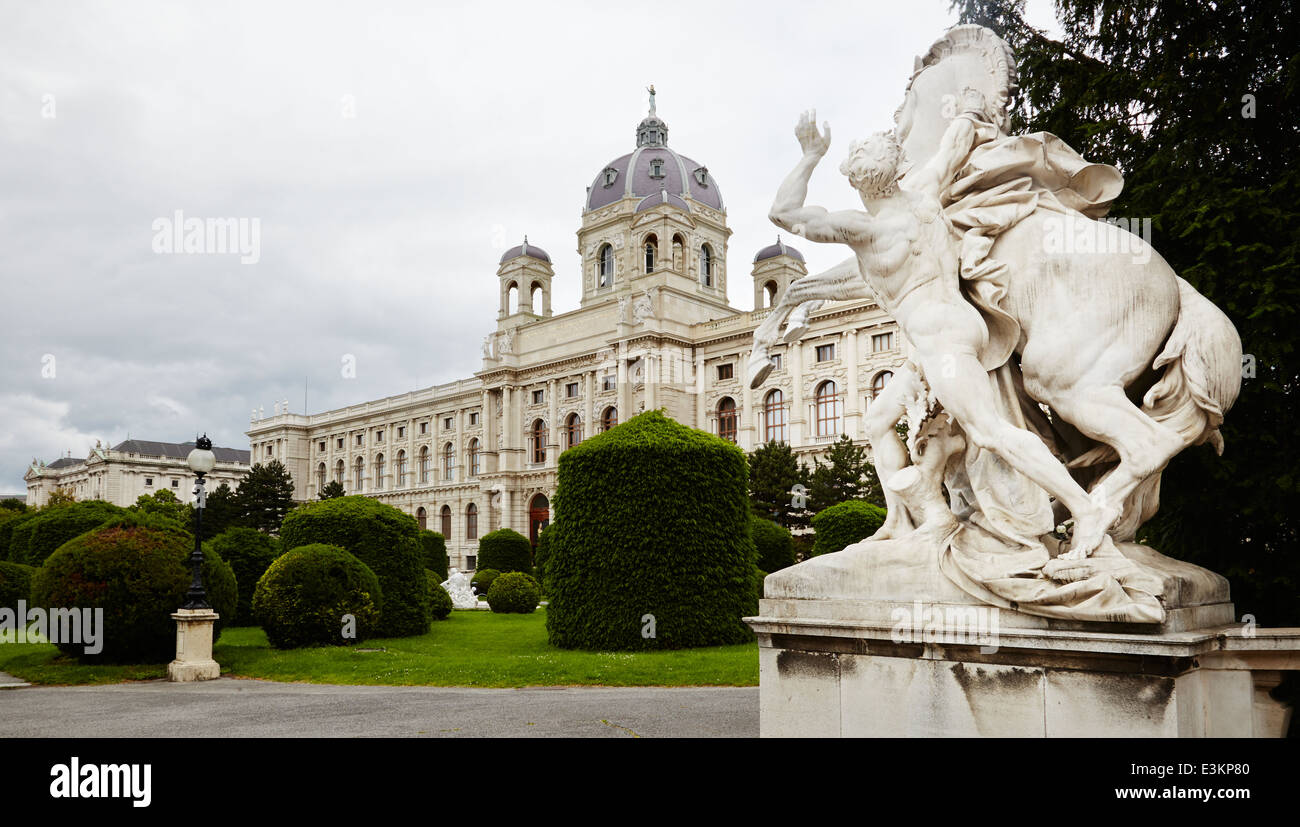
x,y
653,167
662,197
780,248
526,249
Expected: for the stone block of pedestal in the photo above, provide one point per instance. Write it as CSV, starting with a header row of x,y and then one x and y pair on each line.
x,y
193,646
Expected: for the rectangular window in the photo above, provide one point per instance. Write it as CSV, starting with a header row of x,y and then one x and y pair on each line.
x,y
446,423
401,431
360,439
470,561
825,353
776,361
473,418
571,390
424,427
340,443
176,483
881,342
379,436
607,383
268,450
725,371
539,397
148,481
322,446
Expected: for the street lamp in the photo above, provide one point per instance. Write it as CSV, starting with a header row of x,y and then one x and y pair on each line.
x,y
195,620
201,460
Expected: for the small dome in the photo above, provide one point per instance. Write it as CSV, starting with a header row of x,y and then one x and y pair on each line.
x,y
663,197
526,249
780,248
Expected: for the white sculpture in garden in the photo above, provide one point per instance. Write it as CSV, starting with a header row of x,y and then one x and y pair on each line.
x,y
1058,363
458,586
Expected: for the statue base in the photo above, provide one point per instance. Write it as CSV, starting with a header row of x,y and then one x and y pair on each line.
x,y
945,670
193,647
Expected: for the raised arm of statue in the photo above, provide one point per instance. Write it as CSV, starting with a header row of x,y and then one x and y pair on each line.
x,y
813,223
954,148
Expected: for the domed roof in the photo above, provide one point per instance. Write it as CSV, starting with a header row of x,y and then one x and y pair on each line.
x,y
526,249
653,167
780,248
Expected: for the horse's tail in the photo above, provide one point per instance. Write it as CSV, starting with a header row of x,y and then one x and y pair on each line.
x,y
1202,362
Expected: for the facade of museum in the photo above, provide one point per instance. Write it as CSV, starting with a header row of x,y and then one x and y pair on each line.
x,y
653,330
120,474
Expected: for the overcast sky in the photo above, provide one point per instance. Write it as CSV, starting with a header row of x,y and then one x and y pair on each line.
x,y
390,153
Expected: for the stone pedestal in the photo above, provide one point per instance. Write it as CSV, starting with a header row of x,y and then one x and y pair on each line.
x,y
840,668
193,646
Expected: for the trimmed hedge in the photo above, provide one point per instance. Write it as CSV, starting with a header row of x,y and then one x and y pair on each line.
x,y
20,535
305,594
774,542
482,581
441,600
651,519
249,553
434,546
8,520
15,584
138,573
52,527
514,593
385,539
844,524
505,550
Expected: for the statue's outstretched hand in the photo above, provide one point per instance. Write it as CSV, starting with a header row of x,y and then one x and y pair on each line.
x,y
811,141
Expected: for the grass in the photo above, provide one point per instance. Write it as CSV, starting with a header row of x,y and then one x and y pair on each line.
x,y
470,648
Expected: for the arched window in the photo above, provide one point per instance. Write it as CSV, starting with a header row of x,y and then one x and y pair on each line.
x,y
706,265
424,465
727,419
379,472
446,522
448,461
651,249
572,430
769,291
359,477
339,471
401,469
878,384
475,458
539,516
679,253
320,476
774,417
828,409
609,418
537,435
512,298
606,265
471,522
535,299
422,517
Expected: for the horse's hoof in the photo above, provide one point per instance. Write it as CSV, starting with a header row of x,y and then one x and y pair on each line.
x,y
760,367
794,332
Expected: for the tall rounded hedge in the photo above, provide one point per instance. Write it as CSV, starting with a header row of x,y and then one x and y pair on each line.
x,y
774,542
385,539
441,600
514,593
307,593
20,535
9,520
505,550
434,546
139,575
249,553
15,584
52,527
844,524
651,533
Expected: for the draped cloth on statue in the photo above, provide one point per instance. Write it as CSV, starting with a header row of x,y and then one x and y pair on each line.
x,y
1004,179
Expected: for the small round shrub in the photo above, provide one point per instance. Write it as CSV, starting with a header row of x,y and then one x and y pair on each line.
x,y
15,584
844,524
441,600
482,580
775,544
514,593
385,539
139,575
306,592
505,550
52,527
434,546
651,518
249,553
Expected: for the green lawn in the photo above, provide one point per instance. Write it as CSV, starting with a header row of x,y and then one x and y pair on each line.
x,y
470,648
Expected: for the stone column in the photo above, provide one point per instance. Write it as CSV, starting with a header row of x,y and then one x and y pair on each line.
x,y
852,409
745,437
798,416
624,389
553,424
588,404
457,463
651,380
700,413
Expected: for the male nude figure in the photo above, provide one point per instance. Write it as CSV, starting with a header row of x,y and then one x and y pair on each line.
x,y
909,254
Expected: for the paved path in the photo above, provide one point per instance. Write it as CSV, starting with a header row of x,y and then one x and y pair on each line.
x,y
249,708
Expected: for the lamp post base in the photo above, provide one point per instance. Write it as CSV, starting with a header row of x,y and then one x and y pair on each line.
x,y
193,647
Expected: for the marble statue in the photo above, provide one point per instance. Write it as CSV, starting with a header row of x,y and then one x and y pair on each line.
x,y
458,586
487,347
1045,390
643,307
